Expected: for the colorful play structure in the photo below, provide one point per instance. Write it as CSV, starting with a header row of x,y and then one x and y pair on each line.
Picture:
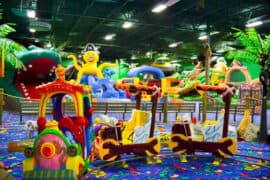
x,y
99,76
91,74
67,144
63,144
40,66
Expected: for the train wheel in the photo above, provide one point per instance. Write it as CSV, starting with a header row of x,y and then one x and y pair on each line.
x,y
106,151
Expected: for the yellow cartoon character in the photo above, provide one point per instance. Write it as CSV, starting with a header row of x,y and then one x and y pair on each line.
x,y
89,65
90,56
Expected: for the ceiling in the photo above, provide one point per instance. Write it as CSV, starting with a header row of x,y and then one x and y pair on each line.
x,y
69,25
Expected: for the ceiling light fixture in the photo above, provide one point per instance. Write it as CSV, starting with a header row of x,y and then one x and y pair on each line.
x,y
127,25
254,24
159,8
31,13
109,37
175,44
32,30
214,32
203,37
171,2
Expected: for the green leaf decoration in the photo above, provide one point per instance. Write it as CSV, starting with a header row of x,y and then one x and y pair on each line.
x,y
253,46
249,39
11,49
5,30
242,55
267,44
255,39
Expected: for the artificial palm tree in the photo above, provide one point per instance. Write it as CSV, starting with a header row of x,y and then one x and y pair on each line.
x,y
256,50
8,50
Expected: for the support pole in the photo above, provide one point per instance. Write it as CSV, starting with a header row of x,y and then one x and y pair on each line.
x,y
165,108
208,54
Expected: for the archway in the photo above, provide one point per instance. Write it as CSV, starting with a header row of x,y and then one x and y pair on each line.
x,y
237,75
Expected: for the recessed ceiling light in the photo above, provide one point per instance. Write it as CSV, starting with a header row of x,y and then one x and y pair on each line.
x,y
171,2
204,37
109,37
31,13
214,32
254,24
32,30
127,25
175,44
159,8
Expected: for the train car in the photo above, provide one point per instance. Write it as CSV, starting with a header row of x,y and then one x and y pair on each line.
x,y
113,141
62,146
182,142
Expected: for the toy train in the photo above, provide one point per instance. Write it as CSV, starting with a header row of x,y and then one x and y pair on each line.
x,y
63,144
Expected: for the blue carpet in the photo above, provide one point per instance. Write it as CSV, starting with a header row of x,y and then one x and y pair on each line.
x,y
170,168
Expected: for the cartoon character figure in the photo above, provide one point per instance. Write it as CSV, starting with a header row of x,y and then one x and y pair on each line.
x,y
89,66
60,72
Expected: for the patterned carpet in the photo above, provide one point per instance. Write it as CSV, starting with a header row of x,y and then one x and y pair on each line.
x,y
199,167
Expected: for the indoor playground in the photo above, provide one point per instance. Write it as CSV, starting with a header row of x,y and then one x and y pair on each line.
x,y
176,89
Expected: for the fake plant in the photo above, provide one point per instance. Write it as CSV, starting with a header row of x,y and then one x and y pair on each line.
x,y
7,51
255,50
9,48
